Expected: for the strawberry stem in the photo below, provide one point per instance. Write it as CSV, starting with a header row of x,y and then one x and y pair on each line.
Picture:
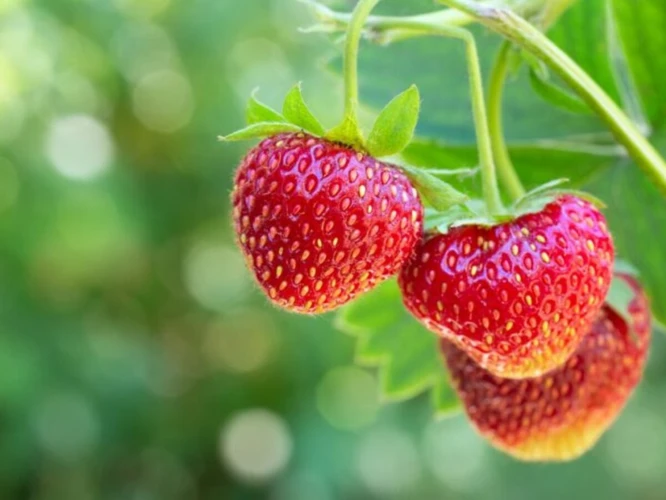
x,y
505,168
490,187
349,131
396,28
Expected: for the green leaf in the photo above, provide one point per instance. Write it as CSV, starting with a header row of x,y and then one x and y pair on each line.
x,y
556,95
624,267
444,399
406,354
436,192
256,130
258,112
581,33
619,298
297,112
640,27
395,125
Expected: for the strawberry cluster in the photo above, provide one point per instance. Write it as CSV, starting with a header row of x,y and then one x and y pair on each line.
x,y
540,349
541,363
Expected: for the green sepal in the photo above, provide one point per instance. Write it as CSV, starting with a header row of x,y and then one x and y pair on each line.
x,y
471,213
296,111
540,196
394,127
348,132
258,112
258,130
435,191
441,222
583,195
538,192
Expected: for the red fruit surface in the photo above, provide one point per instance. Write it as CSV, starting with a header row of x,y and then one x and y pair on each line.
x,y
320,223
562,414
517,297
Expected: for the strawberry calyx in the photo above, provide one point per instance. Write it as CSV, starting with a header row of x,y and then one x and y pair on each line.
x,y
474,211
392,131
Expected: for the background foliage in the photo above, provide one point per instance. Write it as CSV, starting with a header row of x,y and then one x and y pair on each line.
x,y
136,358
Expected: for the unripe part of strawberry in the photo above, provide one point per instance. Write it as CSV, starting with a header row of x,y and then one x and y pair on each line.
x,y
517,297
320,223
562,414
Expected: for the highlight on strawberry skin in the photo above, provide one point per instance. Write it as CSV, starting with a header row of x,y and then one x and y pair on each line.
x,y
560,415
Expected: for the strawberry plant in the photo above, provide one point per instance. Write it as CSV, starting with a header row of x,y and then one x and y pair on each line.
x,y
445,239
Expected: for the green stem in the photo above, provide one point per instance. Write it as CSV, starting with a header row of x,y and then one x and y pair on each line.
x,y
400,28
505,168
354,31
491,193
395,28
349,131
523,34
339,21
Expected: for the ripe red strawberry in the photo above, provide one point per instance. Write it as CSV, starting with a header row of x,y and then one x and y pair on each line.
x,y
320,223
518,297
562,414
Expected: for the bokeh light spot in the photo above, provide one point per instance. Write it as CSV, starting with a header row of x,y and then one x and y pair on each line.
x,y
388,462
163,101
456,455
347,398
10,84
143,49
256,445
67,426
216,275
242,343
77,92
79,147
254,61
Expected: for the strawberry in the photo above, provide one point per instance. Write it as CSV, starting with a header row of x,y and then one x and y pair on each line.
x,y
518,297
319,222
560,415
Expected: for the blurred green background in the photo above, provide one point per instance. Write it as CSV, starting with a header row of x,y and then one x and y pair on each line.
x,y
137,360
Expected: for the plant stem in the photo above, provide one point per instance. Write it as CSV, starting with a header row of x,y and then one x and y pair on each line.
x,y
491,193
338,21
401,28
505,168
349,131
523,34
395,28
354,31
